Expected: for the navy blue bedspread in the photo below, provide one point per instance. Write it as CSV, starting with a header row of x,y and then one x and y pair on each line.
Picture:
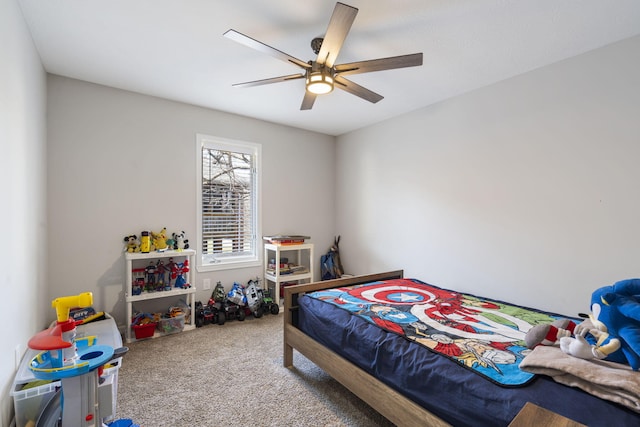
x,y
455,394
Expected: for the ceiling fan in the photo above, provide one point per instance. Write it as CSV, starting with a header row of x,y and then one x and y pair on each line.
x,y
322,74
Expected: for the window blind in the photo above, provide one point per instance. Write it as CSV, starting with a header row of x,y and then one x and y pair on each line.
x,y
228,203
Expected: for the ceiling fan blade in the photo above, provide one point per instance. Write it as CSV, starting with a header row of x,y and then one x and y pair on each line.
x,y
357,90
339,26
308,100
271,80
259,46
381,64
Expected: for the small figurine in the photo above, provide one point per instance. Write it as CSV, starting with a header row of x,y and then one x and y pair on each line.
x,y
145,242
178,271
151,276
161,272
138,285
171,270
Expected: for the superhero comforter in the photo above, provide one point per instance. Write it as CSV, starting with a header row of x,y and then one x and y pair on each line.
x,y
483,335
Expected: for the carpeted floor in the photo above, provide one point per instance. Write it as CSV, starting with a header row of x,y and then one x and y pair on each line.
x,y
232,375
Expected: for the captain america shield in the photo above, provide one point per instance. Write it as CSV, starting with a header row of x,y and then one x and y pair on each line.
x,y
407,293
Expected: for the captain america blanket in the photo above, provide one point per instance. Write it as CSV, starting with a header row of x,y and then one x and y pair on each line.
x,y
486,336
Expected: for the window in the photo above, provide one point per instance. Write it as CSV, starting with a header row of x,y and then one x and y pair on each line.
x,y
228,203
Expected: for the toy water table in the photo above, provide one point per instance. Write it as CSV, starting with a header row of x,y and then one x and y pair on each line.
x,y
77,363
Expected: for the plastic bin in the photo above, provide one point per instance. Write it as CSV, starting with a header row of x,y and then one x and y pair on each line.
x,y
144,331
171,325
108,391
31,395
30,401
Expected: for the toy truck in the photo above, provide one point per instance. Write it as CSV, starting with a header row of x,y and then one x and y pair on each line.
x,y
217,304
210,313
233,311
267,304
254,298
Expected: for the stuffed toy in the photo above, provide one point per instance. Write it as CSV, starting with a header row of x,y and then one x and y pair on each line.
x,y
612,331
159,240
549,334
180,241
592,341
131,244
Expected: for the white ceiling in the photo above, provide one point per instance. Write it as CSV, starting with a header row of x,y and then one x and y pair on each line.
x,y
174,49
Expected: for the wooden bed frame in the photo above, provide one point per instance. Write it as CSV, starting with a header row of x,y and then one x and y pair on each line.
x,y
378,395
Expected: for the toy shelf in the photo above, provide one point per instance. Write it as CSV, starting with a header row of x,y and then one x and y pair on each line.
x,y
134,261
162,294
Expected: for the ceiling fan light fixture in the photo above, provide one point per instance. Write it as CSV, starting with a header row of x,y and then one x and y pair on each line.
x,y
323,74
319,83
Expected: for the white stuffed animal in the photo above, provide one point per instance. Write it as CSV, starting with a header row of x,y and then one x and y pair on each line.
x,y
180,241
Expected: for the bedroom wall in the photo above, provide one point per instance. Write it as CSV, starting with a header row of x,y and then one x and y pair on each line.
x,y
526,190
121,162
22,194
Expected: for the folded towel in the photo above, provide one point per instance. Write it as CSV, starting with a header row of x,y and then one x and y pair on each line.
x,y
606,380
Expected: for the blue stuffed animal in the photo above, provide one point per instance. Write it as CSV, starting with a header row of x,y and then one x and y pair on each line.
x,y
614,326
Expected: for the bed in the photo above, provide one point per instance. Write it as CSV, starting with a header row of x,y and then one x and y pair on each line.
x,y
436,391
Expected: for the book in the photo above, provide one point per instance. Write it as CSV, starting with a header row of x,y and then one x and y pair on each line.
x,y
285,239
287,269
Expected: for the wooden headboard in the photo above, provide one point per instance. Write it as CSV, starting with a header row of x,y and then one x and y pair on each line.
x,y
291,293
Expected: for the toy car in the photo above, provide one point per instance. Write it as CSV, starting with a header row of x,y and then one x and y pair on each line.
x,y
205,315
236,295
216,304
218,315
233,311
254,298
268,305
200,315
210,313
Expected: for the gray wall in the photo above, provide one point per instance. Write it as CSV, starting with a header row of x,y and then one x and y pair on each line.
x,y
120,163
526,190
23,274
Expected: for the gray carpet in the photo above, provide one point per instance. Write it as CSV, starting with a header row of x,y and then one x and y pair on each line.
x,y
232,375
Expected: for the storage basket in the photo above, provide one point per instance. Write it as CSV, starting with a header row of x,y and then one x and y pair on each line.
x,y
144,331
171,325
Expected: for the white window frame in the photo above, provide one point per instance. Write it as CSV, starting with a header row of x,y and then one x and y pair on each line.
x,y
212,262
